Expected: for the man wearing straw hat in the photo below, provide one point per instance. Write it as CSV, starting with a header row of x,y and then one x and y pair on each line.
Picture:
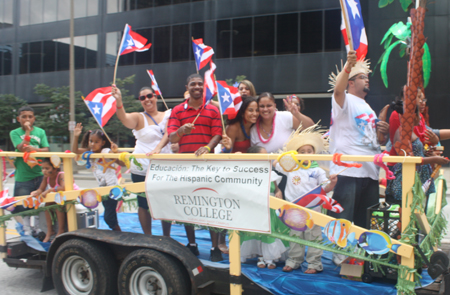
x,y
354,130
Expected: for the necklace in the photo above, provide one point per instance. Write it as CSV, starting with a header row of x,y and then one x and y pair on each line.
x,y
270,134
243,130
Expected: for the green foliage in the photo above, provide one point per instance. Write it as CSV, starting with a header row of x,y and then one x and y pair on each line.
x,y
402,33
237,80
8,114
405,3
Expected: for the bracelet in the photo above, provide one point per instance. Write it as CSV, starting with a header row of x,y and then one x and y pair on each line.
x,y
178,133
120,107
224,150
209,149
27,138
345,69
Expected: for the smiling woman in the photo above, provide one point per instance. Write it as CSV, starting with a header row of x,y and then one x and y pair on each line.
x,y
150,130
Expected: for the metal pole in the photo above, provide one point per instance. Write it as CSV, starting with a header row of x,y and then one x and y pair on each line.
x,y
71,74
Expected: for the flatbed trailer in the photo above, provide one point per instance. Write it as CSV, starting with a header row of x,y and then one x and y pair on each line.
x,y
91,261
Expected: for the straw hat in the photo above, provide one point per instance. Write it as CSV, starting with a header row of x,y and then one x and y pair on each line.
x,y
361,67
313,136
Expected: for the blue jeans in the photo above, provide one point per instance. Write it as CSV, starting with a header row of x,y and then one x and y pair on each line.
x,y
355,195
25,188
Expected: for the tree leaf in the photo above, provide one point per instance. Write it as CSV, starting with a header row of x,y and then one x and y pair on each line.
x,y
426,60
402,50
383,3
385,61
405,4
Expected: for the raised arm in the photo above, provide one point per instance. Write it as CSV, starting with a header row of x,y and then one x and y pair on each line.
x,y
76,135
342,79
128,120
297,117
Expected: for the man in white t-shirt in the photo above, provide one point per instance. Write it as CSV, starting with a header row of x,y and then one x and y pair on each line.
x,y
355,130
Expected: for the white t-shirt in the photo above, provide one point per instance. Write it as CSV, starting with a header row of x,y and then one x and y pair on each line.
x,y
108,177
282,130
302,181
353,132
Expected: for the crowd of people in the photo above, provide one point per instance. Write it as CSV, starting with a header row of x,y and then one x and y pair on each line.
x,y
257,128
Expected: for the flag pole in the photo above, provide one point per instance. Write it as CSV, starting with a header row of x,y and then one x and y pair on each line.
x,y
118,56
104,132
164,101
347,25
160,94
220,109
196,65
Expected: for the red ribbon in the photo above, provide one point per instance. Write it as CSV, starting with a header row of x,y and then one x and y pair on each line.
x,y
337,161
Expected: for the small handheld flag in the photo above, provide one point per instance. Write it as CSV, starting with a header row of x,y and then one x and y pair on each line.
x,y
352,28
155,86
202,53
131,41
210,88
317,197
101,104
230,100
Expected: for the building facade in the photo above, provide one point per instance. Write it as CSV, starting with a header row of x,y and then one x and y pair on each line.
x,y
282,46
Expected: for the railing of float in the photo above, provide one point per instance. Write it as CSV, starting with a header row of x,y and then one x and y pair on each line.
x,y
409,167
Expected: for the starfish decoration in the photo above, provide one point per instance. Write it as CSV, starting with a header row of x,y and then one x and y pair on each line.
x,y
106,164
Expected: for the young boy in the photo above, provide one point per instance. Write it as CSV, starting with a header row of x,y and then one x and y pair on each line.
x,y
27,138
300,182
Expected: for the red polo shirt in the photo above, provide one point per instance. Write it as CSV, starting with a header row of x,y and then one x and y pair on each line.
x,y
207,125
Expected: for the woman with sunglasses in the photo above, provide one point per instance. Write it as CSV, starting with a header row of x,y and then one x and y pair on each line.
x,y
150,130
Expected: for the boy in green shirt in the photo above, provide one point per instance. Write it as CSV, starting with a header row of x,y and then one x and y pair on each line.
x,y
27,138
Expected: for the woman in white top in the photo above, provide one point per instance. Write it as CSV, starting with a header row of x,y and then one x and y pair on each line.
x,y
150,130
273,127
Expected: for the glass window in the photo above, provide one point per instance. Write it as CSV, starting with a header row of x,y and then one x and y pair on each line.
x,y
146,56
50,12
223,36
141,4
198,30
7,59
161,49
264,34
242,37
333,34
24,12
91,51
49,56
79,43
180,1
23,57
7,13
180,42
36,11
162,2
62,54
112,47
92,7
311,32
63,9
80,8
113,6
1,60
287,33
35,57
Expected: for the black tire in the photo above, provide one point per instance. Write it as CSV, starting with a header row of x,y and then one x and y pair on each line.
x,y
82,267
148,271
366,278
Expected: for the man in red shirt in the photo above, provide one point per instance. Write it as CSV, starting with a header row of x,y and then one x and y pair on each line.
x,y
200,139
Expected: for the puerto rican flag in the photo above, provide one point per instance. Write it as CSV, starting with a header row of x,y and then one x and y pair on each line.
x,y
202,53
365,119
352,9
317,197
230,100
155,86
101,104
132,41
210,88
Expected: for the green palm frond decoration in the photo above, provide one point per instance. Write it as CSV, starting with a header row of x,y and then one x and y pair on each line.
x,y
405,3
402,33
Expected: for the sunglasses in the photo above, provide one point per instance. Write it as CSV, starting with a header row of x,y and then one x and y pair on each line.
x,y
143,97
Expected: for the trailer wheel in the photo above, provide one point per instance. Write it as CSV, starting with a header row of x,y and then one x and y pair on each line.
x,y
80,267
147,271
367,278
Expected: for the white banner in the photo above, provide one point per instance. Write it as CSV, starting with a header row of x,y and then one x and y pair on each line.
x,y
226,194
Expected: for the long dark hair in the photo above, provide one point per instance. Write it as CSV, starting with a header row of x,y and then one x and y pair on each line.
x,y
240,115
99,133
